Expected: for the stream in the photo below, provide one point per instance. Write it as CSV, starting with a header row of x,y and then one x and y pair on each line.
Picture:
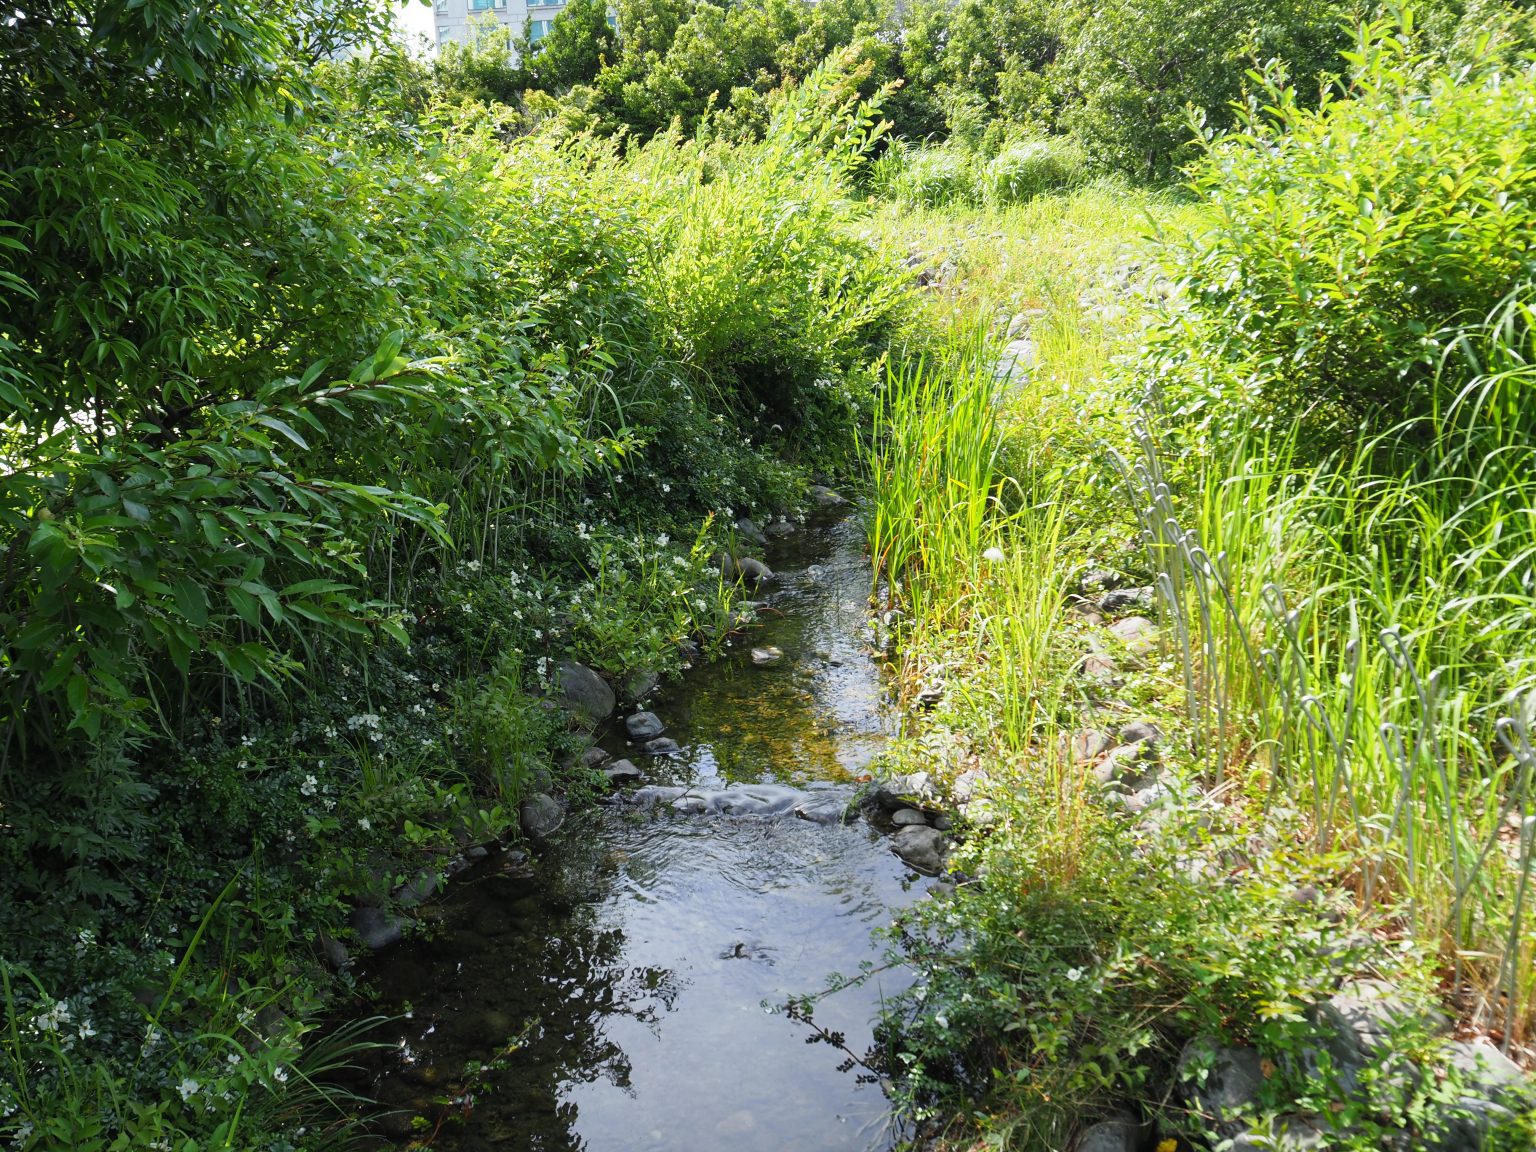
x,y
633,957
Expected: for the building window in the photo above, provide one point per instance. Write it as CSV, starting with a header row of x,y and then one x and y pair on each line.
x,y
440,5
537,30
485,5
613,22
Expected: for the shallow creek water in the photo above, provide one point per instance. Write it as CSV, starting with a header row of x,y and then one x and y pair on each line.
x,y
646,942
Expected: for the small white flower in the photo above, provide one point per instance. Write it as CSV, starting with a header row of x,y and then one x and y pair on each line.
x,y
941,1020
1074,974
188,1088
280,1074
995,555
309,786
362,822
663,540
665,488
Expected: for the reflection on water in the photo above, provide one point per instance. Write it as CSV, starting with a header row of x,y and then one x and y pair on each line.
x,y
645,943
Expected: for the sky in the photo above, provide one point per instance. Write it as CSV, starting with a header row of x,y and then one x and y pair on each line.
x,y
416,19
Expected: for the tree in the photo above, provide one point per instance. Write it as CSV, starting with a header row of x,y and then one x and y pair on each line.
x,y
580,41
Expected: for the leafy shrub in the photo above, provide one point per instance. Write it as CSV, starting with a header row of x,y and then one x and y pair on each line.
x,y
1350,245
934,178
1030,168
1066,981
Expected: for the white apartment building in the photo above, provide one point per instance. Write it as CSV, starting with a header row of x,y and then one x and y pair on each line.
x,y
455,19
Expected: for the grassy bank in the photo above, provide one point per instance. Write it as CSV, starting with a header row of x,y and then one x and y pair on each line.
x,y
1340,767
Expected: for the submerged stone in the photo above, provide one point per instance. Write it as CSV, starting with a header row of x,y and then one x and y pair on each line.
x,y
644,726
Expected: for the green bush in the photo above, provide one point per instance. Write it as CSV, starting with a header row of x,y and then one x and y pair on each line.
x,y
935,178
1351,245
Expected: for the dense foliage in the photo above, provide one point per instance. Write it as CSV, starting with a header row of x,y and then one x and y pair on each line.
x,y
331,420
1121,79
343,395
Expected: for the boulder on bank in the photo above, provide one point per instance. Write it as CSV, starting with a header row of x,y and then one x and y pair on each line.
x,y
747,530
921,847
583,692
375,928
894,793
824,496
622,772
539,815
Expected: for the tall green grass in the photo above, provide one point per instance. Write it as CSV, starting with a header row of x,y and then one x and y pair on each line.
x,y
1355,638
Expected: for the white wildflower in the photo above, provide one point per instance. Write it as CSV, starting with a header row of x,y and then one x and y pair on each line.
x,y
188,1088
310,785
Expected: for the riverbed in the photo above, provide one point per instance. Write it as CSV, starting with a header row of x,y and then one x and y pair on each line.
x,y
625,982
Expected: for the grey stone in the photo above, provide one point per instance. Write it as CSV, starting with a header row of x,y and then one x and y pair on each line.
x,y
421,887
1137,633
539,815
746,529
375,928
1484,1066
780,527
334,950
928,695
1099,667
1462,1126
644,726
594,758
622,772
905,817
1218,1080
767,656
640,684
1115,1135
1125,763
922,848
1140,732
1152,796
1292,1132
1358,1022
661,746
752,571
897,792
1119,599
824,496
968,785
1088,744
476,852
583,691
822,808
1098,580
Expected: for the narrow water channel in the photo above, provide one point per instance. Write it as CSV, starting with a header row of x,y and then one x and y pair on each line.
x,y
634,956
